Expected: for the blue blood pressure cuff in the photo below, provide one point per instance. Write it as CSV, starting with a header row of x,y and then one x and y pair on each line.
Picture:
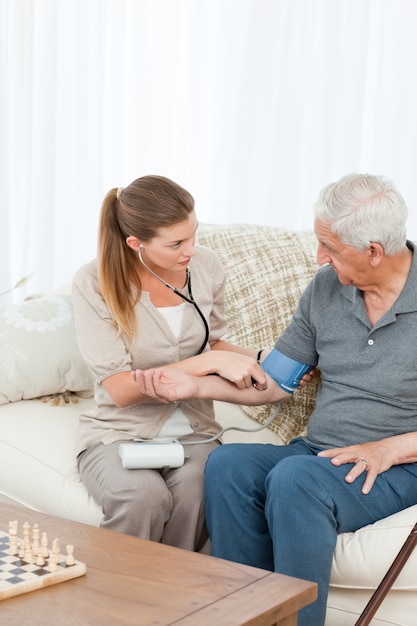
x,y
286,372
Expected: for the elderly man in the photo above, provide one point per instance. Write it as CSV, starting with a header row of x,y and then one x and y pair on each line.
x,y
281,507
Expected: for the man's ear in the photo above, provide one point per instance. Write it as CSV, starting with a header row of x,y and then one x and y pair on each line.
x,y
376,253
133,242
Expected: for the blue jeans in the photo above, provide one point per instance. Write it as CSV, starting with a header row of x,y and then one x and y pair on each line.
x,y
280,508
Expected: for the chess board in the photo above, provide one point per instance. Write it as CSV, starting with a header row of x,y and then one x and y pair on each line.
x,y
18,576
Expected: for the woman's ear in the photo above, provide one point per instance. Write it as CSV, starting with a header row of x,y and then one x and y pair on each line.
x,y
133,242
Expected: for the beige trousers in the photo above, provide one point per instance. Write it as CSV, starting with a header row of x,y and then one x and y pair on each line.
x,y
164,505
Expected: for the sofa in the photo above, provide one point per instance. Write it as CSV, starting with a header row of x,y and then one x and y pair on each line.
x,y
44,385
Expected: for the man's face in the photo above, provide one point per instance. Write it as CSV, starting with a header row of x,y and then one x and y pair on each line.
x,y
352,267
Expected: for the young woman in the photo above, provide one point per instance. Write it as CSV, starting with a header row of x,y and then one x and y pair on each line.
x,y
151,298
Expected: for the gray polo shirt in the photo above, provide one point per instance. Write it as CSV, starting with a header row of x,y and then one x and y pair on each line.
x,y
369,373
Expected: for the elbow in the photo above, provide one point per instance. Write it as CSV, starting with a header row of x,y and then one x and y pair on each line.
x,y
121,403
119,398
121,389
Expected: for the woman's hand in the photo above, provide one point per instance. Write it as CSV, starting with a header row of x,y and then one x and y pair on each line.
x,y
240,369
166,384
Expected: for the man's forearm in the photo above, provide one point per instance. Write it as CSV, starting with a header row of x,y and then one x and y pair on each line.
x,y
217,388
169,385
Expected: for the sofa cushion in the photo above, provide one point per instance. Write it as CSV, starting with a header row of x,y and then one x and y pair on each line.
x,y
39,351
38,465
362,558
268,268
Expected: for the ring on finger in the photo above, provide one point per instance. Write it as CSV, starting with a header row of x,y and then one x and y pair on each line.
x,y
364,462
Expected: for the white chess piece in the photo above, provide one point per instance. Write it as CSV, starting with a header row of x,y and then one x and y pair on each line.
x,y
44,545
54,557
35,537
70,555
13,542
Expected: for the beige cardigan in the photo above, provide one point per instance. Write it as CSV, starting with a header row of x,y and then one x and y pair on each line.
x,y
154,345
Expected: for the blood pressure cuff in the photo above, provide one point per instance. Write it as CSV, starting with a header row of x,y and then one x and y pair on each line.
x,y
286,372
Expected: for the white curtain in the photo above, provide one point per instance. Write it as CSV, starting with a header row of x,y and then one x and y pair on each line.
x,y
252,105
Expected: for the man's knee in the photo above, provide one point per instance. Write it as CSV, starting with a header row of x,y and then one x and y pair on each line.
x,y
226,463
296,473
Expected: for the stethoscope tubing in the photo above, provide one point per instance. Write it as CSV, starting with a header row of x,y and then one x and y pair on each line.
x,y
190,299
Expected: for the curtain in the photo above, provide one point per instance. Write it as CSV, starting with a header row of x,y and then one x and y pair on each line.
x,y
252,105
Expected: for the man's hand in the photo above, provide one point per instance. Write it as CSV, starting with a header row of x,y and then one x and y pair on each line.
x,y
313,376
373,458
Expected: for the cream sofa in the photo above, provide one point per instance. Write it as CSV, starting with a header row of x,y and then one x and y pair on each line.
x,y
44,385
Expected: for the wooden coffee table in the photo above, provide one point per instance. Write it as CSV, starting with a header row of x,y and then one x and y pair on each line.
x,y
142,583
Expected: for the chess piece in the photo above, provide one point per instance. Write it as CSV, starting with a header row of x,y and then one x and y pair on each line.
x,y
27,546
70,555
26,532
28,556
13,543
44,545
35,537
55,555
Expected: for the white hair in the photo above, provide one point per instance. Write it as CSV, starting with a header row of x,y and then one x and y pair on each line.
x,y
361,208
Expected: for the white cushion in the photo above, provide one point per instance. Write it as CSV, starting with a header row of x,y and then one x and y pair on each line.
x,y
344,606
39,350
38,467
362,558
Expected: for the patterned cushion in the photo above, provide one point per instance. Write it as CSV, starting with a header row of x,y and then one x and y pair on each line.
x,y
39,354
267,270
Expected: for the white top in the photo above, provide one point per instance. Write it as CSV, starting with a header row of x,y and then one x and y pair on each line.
x,y
178,424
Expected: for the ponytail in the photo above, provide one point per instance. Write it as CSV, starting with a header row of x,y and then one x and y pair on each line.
x,y
116,269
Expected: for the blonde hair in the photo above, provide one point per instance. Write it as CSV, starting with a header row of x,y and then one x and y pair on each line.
x,y
139,210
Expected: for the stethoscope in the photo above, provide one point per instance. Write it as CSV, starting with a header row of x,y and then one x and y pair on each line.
x,y
181,295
